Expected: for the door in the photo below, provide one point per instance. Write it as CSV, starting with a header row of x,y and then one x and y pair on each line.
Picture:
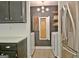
x,y
4,11
44,28
42,31
17,11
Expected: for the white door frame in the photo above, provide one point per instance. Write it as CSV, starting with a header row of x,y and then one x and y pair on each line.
x,y
47,27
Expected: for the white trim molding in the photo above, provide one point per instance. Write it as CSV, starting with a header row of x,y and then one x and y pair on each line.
x,y
43,47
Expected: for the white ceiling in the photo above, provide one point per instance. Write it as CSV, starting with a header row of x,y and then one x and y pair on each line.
x,y
46,3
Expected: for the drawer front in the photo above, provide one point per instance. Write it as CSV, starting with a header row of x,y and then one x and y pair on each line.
x,y
7,46
11,54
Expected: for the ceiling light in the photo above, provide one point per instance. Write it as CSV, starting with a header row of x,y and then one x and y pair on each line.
x,y
38,9
42,11
42,7
47,9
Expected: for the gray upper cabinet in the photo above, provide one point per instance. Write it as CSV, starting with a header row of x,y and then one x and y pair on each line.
x,y
16,11
12,12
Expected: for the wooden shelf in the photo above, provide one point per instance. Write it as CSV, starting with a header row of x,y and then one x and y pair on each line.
x,y
55,20
55,17
55,12
55,24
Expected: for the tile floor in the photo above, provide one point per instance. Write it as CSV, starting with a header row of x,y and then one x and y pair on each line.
x,y
43,53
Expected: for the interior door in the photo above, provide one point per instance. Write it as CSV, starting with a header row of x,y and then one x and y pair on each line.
x,y
44,28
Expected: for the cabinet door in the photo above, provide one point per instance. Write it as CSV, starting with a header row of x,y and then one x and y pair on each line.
x,y
4,11
16,11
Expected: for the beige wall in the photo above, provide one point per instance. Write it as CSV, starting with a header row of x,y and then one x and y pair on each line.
x,y
72,6
74,12
77,27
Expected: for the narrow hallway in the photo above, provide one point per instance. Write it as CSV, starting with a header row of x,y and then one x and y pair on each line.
x,y
44,29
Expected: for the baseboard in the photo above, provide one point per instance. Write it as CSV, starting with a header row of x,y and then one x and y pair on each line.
x,y
43,47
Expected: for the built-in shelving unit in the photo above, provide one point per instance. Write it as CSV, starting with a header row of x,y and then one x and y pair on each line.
x,y
54,34
55,20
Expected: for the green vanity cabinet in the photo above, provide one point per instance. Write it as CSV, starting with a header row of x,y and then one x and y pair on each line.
x,y
14,50
9,49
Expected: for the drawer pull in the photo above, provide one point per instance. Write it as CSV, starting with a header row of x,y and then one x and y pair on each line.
x,y
2,54
11,18
7,47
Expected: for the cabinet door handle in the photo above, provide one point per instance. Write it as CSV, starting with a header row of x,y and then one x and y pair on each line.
x,y
23,10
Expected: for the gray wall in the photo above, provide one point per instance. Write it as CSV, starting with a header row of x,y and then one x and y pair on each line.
x,y
34,12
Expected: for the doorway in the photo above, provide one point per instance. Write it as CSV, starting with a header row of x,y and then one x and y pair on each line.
x,y
42,27
35,16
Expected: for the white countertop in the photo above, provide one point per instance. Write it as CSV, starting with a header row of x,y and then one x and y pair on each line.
x,y
11,39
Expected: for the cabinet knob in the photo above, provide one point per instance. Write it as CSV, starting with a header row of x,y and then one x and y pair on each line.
x,y
6,18
11,18
21,17
7,47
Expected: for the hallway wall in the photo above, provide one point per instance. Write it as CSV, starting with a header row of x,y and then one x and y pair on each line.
x,y
34,12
